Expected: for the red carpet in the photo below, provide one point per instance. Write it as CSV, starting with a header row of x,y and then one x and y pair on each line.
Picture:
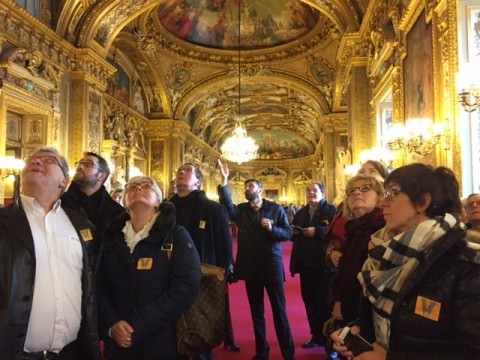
x,y
242,322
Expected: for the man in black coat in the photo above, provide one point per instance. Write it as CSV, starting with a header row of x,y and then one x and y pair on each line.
x,y
47,298
309,226
205,220
262,226
88,194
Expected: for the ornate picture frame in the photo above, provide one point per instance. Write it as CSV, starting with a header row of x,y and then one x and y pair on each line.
x,y
473,33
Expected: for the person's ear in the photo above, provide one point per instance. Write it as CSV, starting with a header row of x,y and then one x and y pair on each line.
x,y
422,207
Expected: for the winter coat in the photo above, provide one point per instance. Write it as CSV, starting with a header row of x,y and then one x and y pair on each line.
x,y
310,251
17,277
99,208
207,224
145,288
259,254
346,287
436,315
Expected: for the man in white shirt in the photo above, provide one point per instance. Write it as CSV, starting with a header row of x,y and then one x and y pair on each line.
x,y
47,300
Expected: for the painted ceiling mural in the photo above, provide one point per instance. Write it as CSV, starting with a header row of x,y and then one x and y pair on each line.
x,y
279,144
214,23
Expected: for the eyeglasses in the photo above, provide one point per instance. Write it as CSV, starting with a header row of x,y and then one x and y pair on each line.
x,y
44,159
389,195
362,189
86,164
135,186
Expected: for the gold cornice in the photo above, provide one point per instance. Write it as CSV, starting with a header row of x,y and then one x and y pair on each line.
x,y
24,31
413,11
337,12
106,19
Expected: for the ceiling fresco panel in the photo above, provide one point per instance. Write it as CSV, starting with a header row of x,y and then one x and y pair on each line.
x,y
280,144
214,23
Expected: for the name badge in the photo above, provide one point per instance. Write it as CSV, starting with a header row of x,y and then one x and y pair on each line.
x,y
144,264
202,224
86,235
427,308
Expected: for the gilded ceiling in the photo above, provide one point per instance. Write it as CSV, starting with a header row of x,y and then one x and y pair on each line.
x,y
184,55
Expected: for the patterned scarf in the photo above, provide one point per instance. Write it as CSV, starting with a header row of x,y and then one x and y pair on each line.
x,y
389,265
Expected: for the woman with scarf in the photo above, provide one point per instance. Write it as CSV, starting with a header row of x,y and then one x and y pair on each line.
x,y
149,274
422,286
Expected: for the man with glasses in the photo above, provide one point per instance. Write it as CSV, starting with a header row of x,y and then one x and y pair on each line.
x,y
87,193
205,220
472,211
47,302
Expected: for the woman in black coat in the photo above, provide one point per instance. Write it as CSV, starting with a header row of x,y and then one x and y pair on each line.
x,y
422,286
149,274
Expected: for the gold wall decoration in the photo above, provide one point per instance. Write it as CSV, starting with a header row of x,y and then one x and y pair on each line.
x,y
157,162
94,121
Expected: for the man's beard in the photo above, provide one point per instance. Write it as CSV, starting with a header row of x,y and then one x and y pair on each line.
x,y
251,196
85,181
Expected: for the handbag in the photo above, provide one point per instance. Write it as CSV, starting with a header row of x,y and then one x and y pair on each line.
x,y
202,326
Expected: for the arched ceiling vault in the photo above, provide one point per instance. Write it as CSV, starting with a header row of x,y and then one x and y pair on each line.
x,y
288,57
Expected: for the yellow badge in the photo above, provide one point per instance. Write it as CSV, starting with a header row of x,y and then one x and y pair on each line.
x,y
86,235
428,308
202,224
144,264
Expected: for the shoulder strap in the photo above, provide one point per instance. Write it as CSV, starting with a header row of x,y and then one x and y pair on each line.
x,y
167,244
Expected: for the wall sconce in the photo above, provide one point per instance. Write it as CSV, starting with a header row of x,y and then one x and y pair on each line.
x,y
419,136
10,166
468,83
385,156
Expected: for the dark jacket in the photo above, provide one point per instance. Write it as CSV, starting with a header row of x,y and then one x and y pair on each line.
x,y
450,276
207,224
99,208
310,251
17,276
259,254
145,288
346,287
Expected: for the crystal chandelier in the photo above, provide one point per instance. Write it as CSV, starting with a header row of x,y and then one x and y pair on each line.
x,y
239,147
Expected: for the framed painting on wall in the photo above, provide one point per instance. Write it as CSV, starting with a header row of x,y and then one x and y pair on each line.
x,y
473,33
418,71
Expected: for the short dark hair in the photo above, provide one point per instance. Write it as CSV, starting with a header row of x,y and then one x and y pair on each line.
x,y
320,186
102,163
418,179
258,182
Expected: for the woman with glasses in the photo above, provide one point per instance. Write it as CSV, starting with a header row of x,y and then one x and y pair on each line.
x,y
149,274
422,286
365,217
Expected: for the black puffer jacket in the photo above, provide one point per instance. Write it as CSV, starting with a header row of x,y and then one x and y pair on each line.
x,y
448,281
145,288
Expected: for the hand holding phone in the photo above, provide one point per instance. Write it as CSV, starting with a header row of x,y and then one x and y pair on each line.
x,y
355,343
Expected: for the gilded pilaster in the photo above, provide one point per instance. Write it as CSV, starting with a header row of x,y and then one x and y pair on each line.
x,y
362,126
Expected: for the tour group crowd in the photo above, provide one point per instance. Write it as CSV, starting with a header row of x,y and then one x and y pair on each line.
x,y
392,272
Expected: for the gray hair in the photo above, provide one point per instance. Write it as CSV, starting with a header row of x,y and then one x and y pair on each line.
x,y
62,162
142,178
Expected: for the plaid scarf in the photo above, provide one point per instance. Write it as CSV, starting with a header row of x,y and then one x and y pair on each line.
x,y
389,265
